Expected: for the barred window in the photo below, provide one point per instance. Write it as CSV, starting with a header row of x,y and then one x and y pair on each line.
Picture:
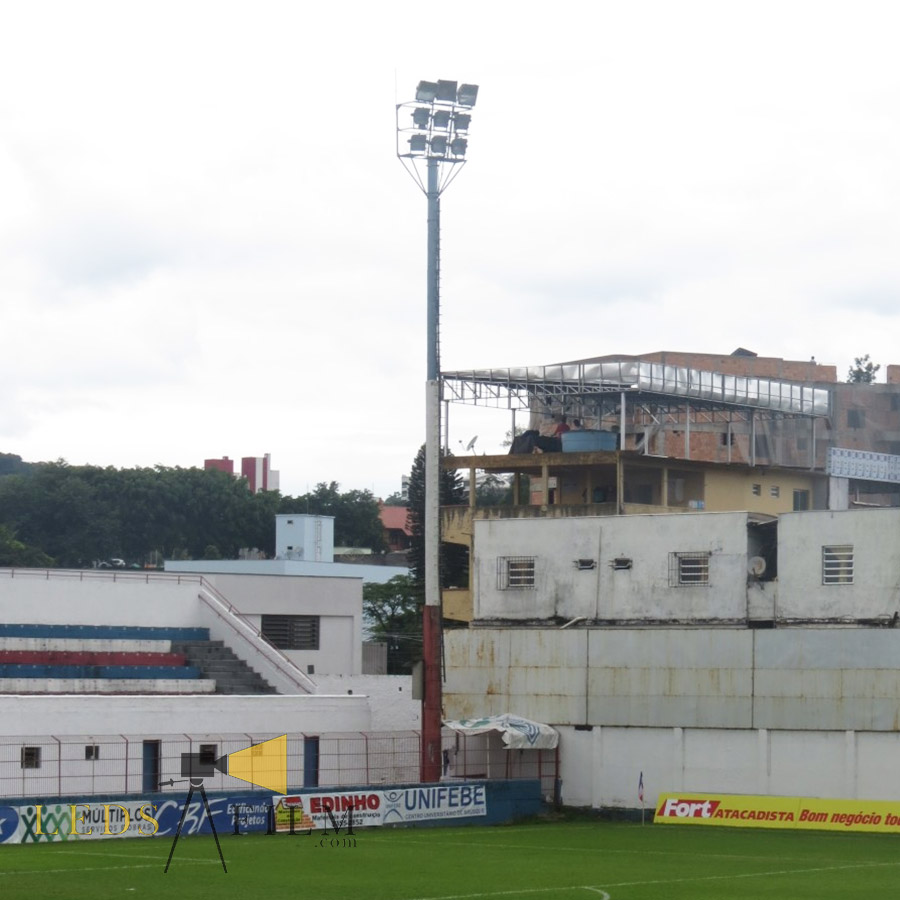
x,y
31,758
92,752
688,568
291,632
515,573
837,564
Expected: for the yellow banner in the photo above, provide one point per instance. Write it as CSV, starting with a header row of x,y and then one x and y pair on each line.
x,y
747,811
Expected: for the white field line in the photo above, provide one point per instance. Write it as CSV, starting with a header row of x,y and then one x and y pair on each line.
x,y
870,865
639,851
662,881
86,869
521,891
131,855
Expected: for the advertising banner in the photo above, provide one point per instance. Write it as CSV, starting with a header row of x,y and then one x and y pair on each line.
x,y
53,822
748,811
388,807
252,814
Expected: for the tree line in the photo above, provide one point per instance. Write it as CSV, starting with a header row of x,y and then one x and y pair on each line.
x,y
56,514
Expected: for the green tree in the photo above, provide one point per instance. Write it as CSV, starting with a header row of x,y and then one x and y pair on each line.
x,y
863,370
393,611
394,500
454,558
11,464
15,554
82,514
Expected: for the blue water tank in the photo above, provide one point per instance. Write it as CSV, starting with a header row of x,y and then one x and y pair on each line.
x,y
585,441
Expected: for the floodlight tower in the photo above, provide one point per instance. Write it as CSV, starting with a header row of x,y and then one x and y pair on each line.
x,y
436,138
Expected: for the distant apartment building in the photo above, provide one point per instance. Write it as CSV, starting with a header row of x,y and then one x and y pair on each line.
x,y
256,469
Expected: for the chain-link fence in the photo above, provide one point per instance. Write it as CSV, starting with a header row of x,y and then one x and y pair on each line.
x,y
83,766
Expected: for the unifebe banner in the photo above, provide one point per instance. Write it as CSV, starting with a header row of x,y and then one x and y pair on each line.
x,y
387,807
748,811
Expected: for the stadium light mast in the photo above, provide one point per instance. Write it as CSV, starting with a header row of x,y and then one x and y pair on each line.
x,y
434,138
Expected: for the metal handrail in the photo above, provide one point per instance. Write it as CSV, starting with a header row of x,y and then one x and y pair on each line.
x,y
274,655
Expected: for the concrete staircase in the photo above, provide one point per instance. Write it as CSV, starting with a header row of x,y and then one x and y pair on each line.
x,y
231,674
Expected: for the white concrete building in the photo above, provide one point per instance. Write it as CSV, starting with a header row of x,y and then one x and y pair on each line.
x,y
717,652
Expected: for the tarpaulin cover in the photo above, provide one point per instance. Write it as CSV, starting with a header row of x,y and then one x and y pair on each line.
x,y
517,733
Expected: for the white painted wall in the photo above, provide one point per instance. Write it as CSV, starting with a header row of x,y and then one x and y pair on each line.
x,y
390,696
601,767
91,714
73,597
875,537
641,592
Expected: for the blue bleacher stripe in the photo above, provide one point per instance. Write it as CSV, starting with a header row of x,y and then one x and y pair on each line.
x,y
105,632
12,670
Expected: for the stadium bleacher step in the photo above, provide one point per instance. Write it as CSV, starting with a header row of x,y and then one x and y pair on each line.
x,y
218,662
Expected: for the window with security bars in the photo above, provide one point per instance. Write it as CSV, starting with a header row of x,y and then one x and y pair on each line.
x,y
291,632
515,573
837,564
31,758
688,568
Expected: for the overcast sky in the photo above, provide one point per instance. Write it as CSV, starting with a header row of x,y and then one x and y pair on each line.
x,y
208,246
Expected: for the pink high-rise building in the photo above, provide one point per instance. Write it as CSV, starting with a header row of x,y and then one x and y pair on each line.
x,y
259,473
256,469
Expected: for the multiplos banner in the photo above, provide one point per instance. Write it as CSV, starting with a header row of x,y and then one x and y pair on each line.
x,y
88,819
749,811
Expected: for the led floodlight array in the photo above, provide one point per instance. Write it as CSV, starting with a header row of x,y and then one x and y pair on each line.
x,y
440,121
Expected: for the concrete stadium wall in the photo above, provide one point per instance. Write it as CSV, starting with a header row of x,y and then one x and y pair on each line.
x,y
786,678
93,714
85,598
601,767
391,700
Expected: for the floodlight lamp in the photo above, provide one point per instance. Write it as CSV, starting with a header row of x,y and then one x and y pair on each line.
x,y
467,94
418,143
439,146
461,121
441,119
446,91
420,116
426,91
458,146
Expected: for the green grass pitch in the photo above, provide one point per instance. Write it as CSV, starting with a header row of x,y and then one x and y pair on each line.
x,y
536,861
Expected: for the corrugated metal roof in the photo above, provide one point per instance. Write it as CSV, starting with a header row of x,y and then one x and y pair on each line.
x,y
586,378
